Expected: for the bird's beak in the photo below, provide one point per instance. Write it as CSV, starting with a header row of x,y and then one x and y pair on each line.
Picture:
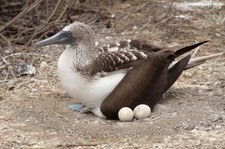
x,y
61,37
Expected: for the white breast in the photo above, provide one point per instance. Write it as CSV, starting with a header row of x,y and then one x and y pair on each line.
x,y
90,92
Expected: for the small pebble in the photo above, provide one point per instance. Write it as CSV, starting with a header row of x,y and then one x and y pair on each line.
x,y
198,142
11,84
126,114
218,127
142,111
26,69
43,66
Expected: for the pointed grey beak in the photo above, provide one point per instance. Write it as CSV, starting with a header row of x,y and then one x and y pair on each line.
x,y
62,37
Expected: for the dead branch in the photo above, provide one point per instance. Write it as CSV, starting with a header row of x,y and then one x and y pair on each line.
x,y
54,10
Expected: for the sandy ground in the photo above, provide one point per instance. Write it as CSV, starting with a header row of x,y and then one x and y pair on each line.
x,y
34,110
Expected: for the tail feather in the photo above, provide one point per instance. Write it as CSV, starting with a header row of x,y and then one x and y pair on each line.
x,y
200,60
175,72
188,48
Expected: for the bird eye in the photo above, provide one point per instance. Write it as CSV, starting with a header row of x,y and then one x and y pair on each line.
x,y
69,34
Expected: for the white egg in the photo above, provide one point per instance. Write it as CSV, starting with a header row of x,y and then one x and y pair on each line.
x,y
142,111
126,114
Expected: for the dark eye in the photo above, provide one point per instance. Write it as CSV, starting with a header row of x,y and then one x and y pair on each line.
x,y
69,34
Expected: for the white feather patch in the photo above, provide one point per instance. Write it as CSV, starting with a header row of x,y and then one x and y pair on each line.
x,y
133,57
113,49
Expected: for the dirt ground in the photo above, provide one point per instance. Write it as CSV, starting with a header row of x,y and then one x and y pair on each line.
x,y
34,109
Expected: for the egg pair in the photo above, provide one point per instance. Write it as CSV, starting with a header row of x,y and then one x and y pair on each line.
x,y
141,111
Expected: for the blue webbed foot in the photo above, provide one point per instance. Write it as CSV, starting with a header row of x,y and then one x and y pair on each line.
x,y
80,108
76,107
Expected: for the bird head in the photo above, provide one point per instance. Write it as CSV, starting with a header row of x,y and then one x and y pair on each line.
x,y
69,35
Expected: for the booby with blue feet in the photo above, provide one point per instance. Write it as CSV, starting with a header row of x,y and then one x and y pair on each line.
x,y
106,78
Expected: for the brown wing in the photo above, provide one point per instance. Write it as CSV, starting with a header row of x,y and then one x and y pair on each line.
x,y
122,54
143,84
146,82
111,61
129,45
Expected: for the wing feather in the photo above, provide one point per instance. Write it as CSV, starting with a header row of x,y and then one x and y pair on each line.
x,y
121,55
111,61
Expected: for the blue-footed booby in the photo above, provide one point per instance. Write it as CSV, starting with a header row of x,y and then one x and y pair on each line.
x,y
125,74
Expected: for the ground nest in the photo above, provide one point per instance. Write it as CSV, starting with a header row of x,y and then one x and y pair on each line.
x,y
34,108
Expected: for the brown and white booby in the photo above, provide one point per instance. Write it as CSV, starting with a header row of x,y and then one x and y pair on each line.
x,y
124,74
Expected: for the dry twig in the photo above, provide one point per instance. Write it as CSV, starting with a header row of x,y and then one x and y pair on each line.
x,y
54,10
18,54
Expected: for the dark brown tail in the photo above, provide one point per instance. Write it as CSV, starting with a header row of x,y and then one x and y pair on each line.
x,y
176,68
188,48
